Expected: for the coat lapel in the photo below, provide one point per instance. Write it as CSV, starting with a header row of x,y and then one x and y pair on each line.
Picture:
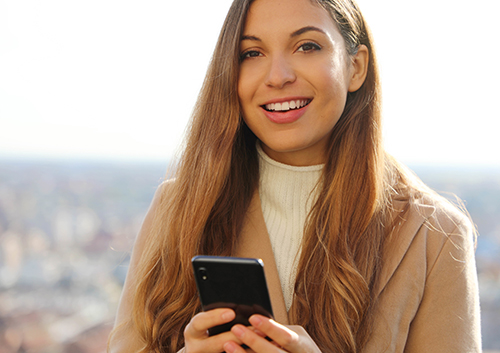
x,y
400,239
254,243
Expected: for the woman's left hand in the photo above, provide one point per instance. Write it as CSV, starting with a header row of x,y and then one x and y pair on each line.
x,y
293,339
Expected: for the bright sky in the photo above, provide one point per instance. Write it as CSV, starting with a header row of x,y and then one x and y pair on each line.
x,y
118,79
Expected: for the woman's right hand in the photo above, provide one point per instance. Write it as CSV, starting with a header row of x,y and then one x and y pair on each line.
x,y
196,332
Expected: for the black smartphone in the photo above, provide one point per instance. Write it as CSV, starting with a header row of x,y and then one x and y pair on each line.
x,y
232,282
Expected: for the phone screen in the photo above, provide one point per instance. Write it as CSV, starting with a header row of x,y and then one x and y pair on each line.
x,y
235,283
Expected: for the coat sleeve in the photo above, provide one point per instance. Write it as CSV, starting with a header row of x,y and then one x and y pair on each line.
x,y
125,338
448,318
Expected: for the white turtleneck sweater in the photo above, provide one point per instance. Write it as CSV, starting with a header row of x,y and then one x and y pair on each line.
x,y
286,194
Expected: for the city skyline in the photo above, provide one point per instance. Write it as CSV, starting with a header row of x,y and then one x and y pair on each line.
x,y
67,229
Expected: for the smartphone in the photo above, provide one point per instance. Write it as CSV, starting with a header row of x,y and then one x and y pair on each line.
x,y
232,282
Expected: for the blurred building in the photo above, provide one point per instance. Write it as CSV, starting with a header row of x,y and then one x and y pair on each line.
x,y
66,229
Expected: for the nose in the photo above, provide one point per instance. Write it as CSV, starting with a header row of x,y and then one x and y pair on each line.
x,y
280,73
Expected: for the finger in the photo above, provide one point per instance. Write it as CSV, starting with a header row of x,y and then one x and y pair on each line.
x,y
280,334
252,340
219,340
201,322
233,347
213,344
261,334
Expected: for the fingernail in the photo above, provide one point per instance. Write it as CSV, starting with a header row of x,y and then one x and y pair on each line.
x,y
238,331
230,347
255,320
228,315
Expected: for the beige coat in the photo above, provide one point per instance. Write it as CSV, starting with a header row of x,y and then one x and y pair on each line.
x,y
427,294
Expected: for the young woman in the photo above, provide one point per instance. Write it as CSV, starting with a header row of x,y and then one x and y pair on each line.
x,y
283,161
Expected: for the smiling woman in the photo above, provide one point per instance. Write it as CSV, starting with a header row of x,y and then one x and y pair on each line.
x,y
293,63
284,161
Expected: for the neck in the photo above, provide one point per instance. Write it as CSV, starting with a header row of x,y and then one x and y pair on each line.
x,y
302,158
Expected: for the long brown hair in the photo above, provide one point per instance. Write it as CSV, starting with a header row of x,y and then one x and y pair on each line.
x,y
346,229
202,212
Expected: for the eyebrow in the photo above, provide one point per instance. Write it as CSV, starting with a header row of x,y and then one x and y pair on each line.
x,y
294,34
306,29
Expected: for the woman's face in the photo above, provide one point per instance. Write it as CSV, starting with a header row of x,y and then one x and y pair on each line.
x,y
294,77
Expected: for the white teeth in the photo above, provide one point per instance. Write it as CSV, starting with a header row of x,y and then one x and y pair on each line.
x,y
285,106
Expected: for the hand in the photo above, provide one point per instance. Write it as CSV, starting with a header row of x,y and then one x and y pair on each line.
x,y
293,339
196,332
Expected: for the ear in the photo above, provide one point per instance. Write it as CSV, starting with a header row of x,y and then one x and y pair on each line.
x,y
359,68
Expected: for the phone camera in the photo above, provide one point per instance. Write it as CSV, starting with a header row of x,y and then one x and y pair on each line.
x,y
203,273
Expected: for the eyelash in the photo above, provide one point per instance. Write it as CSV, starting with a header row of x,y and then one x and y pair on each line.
x,y
254,53
246,55
313,47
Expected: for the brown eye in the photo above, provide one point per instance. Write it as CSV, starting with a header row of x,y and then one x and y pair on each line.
x,y
308,47
250,54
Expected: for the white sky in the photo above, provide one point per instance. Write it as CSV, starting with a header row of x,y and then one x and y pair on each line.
x,y
118,79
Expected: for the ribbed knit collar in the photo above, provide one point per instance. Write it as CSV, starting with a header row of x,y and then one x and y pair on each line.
x,y
269,160
287,194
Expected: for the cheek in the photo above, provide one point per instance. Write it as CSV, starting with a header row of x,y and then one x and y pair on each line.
x,y
335,89
336,73
336,78
241,91
246,83
244,96
251,77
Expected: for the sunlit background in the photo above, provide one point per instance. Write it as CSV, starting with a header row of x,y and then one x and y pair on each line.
x,y
118,79
87,85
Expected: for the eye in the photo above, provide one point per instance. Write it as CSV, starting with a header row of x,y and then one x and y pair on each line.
x,y
250,54
309,47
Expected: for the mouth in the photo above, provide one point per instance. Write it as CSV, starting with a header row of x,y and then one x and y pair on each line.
x,y
287,105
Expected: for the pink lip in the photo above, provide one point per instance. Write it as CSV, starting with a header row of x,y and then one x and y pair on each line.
x,y
288,116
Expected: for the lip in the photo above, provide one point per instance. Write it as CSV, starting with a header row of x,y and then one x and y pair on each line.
x,y
289,116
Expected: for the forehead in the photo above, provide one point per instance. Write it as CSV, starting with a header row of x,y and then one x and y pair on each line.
x,y
268,16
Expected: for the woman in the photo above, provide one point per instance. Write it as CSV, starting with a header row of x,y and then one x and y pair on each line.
x,y
283,161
